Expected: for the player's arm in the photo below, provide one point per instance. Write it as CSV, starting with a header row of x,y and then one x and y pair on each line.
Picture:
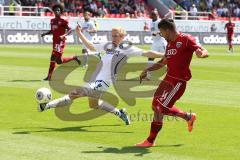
x,y
154,67
68,31
46,33
202,53
88,43
152,54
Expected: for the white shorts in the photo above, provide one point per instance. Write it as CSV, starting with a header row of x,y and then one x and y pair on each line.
x,y
95,89
99,85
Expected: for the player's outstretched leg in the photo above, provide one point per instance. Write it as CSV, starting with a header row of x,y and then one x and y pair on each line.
x,y
110,108
63,101
68,59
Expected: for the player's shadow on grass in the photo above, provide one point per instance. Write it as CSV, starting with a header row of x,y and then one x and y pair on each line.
x,y
31,80
71,129
128,149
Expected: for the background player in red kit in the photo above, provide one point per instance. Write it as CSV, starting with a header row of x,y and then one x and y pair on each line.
x,y
59,30
230,31
178,56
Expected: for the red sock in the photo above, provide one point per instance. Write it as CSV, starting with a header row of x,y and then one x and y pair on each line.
x,y
174,111
67,59
155,128
51,68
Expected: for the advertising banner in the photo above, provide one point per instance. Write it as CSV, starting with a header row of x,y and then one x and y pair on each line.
x,y
43,23
141,37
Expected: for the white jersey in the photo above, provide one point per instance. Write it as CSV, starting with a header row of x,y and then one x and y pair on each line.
x,y
159,43
111,59
88,25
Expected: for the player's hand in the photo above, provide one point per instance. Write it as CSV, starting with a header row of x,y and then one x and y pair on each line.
x,y
63,37
143,75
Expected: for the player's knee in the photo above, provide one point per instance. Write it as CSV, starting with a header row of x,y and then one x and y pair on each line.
x,y
151,59
93,104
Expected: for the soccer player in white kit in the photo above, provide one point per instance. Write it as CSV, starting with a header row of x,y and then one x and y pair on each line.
x,y
113,53
88,29
159,43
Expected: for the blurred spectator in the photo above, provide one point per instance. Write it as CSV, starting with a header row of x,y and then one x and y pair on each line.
x,y
127,15
193,10
138,15
98,8
146,27
213,28
94,9
223,8
213,15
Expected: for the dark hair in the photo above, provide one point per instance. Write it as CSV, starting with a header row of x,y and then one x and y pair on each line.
x,y
167,24
57,6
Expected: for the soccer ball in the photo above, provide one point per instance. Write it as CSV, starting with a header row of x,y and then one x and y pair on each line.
x,y
43,95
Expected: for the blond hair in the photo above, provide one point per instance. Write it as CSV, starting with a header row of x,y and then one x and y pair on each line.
x,y
120,30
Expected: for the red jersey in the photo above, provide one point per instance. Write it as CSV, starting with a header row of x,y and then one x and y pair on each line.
x,y
230,28
58,28
179,55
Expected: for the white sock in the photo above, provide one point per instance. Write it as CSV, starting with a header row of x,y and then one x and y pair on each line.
x,y
150,63
60,102
85,59
109,108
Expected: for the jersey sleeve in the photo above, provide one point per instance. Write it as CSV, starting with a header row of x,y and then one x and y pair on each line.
x,y
133,51
191,44
100,47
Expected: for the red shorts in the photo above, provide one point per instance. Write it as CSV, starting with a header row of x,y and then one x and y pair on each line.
x,y
56,56
57,52
167,93
230,37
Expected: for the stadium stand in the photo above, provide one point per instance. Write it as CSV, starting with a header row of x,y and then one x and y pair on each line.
x,y
177,9
223,8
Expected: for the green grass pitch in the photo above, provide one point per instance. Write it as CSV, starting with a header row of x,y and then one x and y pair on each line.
x,y
213,93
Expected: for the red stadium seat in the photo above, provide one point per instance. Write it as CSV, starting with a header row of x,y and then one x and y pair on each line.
x,y
117,16
122,15
112,16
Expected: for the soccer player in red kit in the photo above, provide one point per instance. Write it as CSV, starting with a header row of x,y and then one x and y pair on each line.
x,y
59,30
178,56
230,31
